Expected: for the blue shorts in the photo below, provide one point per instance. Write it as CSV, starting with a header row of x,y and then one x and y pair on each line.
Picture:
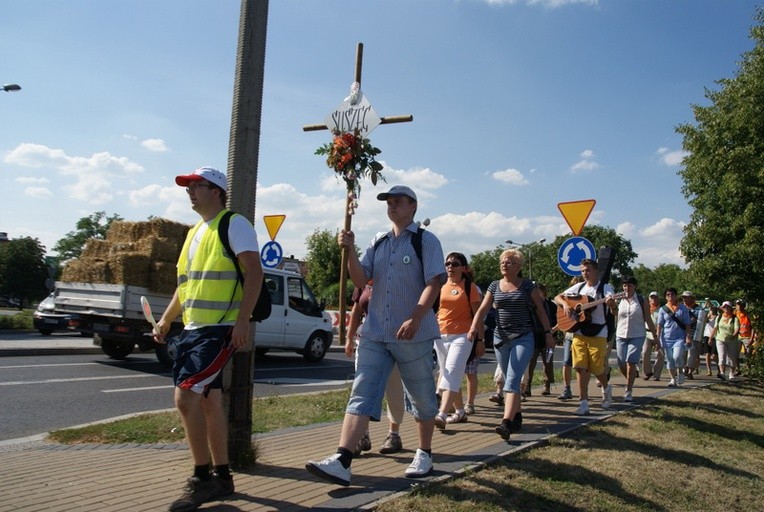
x,y
373,366
200,355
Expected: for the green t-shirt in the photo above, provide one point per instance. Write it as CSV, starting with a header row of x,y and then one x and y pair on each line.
x,y
726,327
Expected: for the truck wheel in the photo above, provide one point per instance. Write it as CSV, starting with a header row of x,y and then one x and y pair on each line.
x,y
116,349
316,347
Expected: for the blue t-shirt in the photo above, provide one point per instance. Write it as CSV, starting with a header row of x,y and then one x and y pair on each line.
x,y
670,330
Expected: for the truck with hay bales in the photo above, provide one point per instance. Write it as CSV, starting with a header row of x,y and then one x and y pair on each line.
x,y
105,284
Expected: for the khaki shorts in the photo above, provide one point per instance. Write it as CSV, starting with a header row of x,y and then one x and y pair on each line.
x,y
589,353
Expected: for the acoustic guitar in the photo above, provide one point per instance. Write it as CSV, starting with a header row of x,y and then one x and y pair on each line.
x,y
581,306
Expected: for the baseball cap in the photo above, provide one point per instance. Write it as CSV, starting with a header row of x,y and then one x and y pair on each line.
x,y
741,302
687,293
397,190
210,174
653,294
726,303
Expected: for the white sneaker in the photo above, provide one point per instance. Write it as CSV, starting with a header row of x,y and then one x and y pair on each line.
x,y
330,469
607,396
583,408
420,466
680,379
627,396
672,383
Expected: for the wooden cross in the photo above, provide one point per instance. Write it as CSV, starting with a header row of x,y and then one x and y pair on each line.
x,y
348,216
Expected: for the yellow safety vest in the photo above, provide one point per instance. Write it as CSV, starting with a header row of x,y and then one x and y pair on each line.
x,y
206,286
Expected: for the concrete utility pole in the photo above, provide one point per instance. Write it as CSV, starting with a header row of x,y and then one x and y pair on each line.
x,y
243,153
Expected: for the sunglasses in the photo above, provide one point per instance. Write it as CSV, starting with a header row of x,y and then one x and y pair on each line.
x,y
453,264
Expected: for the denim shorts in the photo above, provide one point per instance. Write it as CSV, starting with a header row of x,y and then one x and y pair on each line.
x,y
200,355
374,363
629,350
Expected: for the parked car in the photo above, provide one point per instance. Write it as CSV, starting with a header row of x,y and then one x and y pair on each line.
x,y
47,320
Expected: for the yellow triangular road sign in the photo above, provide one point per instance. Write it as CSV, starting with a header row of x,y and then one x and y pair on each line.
x,y
576,213
273,224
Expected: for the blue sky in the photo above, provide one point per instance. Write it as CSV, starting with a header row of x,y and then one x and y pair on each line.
x,y
518,105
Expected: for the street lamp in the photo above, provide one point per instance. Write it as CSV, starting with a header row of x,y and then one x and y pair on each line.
x,y
530,253
11,87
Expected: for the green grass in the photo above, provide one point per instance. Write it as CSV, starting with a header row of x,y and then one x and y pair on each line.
x,y
268,414
18,322
705,455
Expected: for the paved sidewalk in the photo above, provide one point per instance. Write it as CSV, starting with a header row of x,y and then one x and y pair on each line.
x,y
39,476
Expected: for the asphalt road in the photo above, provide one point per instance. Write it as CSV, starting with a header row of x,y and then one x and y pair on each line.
x,y
46,386
61,381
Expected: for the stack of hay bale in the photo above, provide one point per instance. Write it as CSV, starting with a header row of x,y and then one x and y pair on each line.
x,y
135,253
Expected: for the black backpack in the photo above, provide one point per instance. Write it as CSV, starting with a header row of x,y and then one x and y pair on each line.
x,y
262,309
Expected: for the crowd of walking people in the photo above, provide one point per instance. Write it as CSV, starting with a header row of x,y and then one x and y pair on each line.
x,y
409,301
423,301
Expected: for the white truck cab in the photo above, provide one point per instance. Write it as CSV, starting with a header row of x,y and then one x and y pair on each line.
x,y
297,321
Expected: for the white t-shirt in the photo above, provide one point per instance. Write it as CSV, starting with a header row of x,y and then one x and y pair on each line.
x,y
598,313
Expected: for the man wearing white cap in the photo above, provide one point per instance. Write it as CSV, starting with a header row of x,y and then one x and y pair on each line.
x,y
400,328
216,310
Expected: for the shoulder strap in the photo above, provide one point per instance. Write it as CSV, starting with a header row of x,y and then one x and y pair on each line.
x,y
225,221
379,241
416,241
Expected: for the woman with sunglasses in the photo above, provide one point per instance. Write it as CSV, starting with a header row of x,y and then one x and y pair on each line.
x,y
459,299
515,300
673,320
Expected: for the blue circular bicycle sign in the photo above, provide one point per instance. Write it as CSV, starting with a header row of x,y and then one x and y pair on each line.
x,y
572,252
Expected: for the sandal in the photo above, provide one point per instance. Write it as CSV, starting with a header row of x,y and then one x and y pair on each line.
x,y
457,417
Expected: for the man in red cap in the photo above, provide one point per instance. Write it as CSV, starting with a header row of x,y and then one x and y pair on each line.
x,y
216,310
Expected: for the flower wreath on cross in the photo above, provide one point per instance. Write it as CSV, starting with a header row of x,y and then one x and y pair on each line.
x,y
352,157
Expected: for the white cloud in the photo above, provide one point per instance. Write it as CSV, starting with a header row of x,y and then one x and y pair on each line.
x,y
625,229
38,192
157,145
510,177
664,228
587,162
93,175
671,158
31,179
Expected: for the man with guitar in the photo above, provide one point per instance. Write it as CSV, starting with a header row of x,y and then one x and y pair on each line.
x,y
582,311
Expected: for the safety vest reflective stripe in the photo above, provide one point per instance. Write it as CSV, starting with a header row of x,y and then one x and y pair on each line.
x,y
211,275
210,304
